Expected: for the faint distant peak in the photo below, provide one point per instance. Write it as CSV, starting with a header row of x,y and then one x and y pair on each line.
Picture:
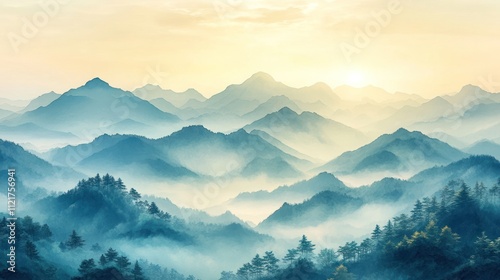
x,y
260,77
470,89
321,86
191,90
96,83
152,87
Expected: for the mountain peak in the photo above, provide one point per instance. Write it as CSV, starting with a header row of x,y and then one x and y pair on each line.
x,y
470,90
96,83
402,131
260,77
285,111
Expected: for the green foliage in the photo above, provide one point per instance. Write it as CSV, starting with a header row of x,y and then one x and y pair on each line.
x,y
31,251
122,262
87,266
137,272
291,256
305,247
341,273
326,258
74,241
111,255
270,263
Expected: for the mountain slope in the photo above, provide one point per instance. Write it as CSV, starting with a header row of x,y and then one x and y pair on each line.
x,y
178,99
41,101
255,206
190,151
274,104
33,171
309,133
319,208
408,115
5,113
95,103
260,87
484,147
395,154
470,170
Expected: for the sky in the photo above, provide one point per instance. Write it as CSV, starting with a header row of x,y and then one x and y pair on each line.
x,y
424,47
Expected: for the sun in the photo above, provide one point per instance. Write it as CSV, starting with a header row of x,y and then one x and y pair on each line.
x,y
356,78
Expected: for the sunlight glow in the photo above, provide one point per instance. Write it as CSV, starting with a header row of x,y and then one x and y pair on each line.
x,y
356,78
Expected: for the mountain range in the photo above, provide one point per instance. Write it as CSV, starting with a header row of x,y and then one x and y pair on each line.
x,y
192,151
309,133
397,154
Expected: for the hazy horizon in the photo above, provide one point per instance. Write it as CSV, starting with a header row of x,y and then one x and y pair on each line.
x,y
404,46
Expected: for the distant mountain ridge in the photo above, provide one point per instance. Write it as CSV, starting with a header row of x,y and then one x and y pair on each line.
x,y
178,99
308,133
191,151
96,102
401,151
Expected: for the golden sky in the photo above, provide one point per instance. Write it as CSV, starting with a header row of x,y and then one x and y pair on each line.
x,y
426,47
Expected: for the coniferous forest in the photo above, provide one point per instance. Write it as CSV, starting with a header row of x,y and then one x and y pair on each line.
x,y
452,235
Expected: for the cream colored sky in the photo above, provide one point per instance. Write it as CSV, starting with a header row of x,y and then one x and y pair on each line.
x,y
426,47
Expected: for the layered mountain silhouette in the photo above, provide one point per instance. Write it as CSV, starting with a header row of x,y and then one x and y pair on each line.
x,y
41,101
177,99
95,106
191,151
309,133
32,170
484,147
397,153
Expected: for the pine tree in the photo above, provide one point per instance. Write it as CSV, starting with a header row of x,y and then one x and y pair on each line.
x,y
120,186
326,258
484,250
376,234
365,247
305,247
45,232
137,272
479,191
31,228
103,261
31,251
245,271
417,214
402,225
153,209
291,256
111,255
463,201
134,194
122,263
388,232
87,266
107,181
98,180
270,263
74,241
431,209
257,266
